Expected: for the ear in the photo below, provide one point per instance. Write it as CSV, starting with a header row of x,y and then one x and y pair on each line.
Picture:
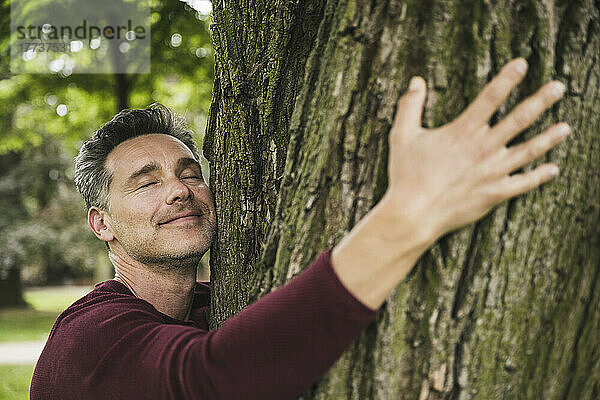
x,y
98,225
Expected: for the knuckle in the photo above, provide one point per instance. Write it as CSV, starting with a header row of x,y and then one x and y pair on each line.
x,y
546,99
531,180
462,126
493,193
483,151
519,184
532,152
521,118
503,158
495,94
535,181
474,150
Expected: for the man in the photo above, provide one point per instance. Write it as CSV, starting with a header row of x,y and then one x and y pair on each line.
x,y
144,333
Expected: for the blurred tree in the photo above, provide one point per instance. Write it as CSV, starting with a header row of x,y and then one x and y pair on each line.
x,y
12,214
11,210
303,100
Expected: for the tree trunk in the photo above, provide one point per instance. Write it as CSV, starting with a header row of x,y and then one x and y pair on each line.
x,y
122,89
304,95
11,287
247,134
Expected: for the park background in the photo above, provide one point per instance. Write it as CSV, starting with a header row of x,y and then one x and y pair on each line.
x,y
303,95
48,255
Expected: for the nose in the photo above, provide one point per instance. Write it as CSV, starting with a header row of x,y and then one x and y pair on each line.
x,y
178,191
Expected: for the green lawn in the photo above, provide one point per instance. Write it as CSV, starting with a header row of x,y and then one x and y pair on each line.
x,y
22,324
19,325
14,381
56,298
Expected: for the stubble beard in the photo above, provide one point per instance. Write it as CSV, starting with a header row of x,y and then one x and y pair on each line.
x,y
169,261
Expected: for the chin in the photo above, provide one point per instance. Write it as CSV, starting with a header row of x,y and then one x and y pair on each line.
x,y
176,246
188,248
170,259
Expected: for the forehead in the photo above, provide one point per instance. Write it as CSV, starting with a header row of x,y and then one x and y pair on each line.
x,y
136,152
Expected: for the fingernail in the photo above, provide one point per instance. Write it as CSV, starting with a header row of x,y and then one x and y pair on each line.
x,y
521,66
553,170
414,84
563,130
558,88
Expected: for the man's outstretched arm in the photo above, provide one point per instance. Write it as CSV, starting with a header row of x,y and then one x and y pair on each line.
x,y
445,178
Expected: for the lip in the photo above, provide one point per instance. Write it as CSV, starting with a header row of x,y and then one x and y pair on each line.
x,y
184,217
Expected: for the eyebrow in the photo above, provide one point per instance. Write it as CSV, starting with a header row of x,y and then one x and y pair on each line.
x,y
187,161
152,167
146,169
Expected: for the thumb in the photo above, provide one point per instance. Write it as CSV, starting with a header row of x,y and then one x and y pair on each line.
x,y
409,109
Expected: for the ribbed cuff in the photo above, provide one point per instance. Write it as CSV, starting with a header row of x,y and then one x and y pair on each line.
x,y
361,308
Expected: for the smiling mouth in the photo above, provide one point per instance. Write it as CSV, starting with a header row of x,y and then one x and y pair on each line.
x,y
182,219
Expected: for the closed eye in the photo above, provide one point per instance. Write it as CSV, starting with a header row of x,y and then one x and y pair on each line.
x,y
146,185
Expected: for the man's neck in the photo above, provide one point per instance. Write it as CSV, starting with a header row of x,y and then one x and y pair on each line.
x,y
170,292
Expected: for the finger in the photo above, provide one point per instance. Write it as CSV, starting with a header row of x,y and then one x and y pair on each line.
x,y
527,112
524,153
493,95
409,109
522,183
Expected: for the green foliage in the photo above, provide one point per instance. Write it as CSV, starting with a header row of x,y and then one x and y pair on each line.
x,y
44,229
181,78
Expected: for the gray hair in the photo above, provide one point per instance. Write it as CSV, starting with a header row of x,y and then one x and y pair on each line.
x,y
92,179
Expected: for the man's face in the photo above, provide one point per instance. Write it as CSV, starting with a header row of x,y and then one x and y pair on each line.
x,y
161,210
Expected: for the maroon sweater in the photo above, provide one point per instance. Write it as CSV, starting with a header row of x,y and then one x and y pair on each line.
x,y
112,345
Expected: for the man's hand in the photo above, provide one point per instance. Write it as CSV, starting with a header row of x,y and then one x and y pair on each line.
x,y
442,179
451,176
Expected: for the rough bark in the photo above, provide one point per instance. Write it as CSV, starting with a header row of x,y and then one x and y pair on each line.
x,y
261,48
508,307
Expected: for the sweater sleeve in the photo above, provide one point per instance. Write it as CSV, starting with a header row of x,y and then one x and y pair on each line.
x,y
273,349
281,344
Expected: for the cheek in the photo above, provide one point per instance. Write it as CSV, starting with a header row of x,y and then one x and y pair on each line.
x,y
204,194
137,211
207,200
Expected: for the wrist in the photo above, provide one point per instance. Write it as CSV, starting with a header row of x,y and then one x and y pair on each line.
x,y
378,253
397,221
